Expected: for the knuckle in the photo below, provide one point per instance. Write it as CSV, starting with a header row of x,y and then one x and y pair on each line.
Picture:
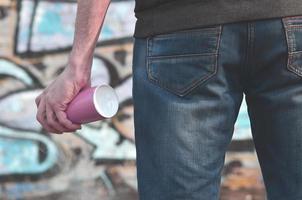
x,y
51,102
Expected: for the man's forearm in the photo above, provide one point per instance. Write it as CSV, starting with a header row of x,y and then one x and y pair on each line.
x,y
89,21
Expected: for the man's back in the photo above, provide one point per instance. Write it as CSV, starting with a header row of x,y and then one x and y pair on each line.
x,y
163,16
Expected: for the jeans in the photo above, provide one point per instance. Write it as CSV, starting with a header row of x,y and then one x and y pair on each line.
x,y
188,86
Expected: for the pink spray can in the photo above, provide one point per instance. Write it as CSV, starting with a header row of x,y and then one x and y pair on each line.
x,y
93,104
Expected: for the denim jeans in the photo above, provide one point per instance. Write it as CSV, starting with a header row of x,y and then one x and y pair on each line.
x,y
187,89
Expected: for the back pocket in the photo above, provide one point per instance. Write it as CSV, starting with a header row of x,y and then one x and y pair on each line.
x,y
181,61
293,31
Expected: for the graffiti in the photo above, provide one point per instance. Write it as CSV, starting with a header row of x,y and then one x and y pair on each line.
x,y
22,149
3,9
11,69
242,126
112,149
3,13
96,144
18,111
99,159
48,26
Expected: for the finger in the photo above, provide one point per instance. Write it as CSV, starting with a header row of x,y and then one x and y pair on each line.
x,y
38,99
41,116
64,121
51,120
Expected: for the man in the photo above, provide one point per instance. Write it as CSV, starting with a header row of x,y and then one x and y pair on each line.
x,y
193,61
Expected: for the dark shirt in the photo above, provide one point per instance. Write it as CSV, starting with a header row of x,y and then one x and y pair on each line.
x,y
164,16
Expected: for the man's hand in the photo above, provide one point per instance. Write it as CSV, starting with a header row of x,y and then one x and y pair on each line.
x,y
53,101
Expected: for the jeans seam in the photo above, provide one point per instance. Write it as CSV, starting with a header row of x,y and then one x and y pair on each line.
x,y
249,48
149,47
218,39
154,38
295,27
181,55
215,29
293,67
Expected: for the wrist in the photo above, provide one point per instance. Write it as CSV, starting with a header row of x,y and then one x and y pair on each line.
x,y
79,64
79,69
82,78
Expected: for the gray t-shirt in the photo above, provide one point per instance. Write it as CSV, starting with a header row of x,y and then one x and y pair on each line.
x,y
164,16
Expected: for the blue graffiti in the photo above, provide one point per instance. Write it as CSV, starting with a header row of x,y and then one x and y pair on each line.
x,y
242,125
50,26
8,68
105,141
19,152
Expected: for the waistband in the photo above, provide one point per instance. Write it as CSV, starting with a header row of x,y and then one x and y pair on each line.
x,y
173,17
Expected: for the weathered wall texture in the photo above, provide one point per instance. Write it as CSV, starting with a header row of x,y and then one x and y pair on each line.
x,y
97,162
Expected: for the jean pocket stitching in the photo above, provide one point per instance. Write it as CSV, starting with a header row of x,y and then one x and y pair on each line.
x,y
180,55
291,45
149,46
186,90
291,66
218,41
217,32
214,29
293,21
196,83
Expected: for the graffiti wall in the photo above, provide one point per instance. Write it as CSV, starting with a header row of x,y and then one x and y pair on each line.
x,y
97,162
